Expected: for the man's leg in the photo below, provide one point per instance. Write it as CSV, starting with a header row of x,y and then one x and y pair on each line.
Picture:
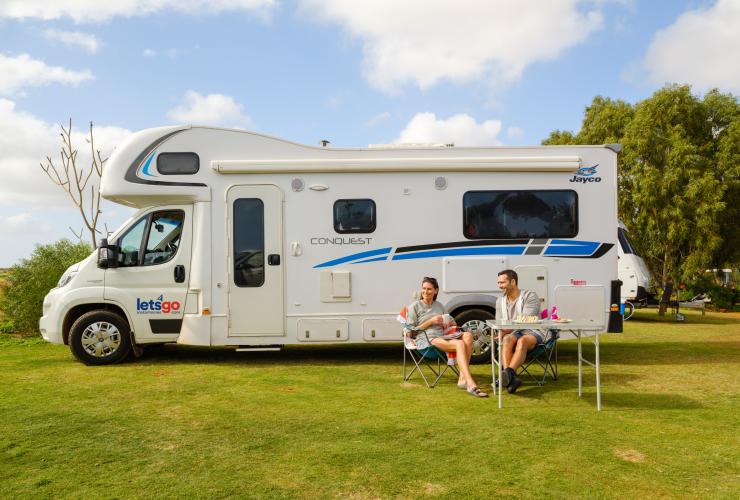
x,y
509,343
525,344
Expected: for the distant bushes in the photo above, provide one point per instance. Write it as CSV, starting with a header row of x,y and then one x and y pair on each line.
x,y
27,282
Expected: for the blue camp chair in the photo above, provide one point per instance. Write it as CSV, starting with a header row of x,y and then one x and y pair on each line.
x,y
424,358
544,355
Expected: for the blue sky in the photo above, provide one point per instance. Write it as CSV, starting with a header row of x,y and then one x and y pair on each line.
x,y
472,72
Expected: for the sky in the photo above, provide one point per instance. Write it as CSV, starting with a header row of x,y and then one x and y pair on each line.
x,y
469,72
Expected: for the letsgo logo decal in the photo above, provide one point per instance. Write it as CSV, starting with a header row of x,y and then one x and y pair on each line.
x,y
157,306
586,174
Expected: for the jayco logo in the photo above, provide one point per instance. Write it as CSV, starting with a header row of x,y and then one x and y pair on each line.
x,y
586,174
157,306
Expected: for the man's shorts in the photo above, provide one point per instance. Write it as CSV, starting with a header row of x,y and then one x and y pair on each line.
x,y
521,333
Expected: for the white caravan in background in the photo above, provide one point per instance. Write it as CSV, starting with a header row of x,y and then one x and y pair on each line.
x,y
247,240
633,272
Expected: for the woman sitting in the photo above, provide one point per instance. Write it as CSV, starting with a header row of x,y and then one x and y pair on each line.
x,y
429,315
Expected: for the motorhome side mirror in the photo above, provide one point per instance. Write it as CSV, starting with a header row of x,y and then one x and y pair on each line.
x,y
107,255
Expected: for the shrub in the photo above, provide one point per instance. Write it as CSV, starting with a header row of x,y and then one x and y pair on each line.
x,y
30,280
722,298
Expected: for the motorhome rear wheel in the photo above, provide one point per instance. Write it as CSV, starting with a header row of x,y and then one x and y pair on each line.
x,y
474,320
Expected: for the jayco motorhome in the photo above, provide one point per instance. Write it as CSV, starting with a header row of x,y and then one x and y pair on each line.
x,y
247,240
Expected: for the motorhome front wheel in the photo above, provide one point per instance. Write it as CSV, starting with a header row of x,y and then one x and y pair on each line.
x,y
100,338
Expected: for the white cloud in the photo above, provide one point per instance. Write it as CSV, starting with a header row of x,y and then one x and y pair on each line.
x,y
700,48
428,41
211,109
15,223
23,71
150,53
85,41
514,133
97,11
25,141
460,129
377,119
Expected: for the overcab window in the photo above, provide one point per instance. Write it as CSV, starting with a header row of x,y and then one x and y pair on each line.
x,y
354,216
520,214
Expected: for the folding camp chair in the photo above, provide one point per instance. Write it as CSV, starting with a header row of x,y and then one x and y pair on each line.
x,y
544,354
424,357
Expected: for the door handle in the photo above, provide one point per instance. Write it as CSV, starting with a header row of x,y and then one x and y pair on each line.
x,y
273,259
179,273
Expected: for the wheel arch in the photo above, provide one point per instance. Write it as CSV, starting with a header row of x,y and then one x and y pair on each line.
x,y
461,303
80,309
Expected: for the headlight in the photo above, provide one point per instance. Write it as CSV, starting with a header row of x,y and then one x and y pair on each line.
x,y
66,278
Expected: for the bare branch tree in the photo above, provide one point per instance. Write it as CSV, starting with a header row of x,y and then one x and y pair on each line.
x,y
82,185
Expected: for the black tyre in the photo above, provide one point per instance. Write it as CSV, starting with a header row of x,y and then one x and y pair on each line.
x,y
474,321
100,338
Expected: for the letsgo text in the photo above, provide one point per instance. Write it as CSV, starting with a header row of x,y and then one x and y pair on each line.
x,y
157,306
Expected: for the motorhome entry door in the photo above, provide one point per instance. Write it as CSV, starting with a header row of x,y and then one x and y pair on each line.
x,y
255,260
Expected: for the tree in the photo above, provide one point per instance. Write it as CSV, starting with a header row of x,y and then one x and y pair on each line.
x,y
30,280
75,182
678,175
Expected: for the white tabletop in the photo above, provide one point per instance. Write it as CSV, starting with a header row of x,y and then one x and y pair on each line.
x,y
545,325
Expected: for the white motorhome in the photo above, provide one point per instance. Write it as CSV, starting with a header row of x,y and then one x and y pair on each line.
x,y
633,272
247,240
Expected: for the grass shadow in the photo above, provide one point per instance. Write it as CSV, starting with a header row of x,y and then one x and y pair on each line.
x,y
313,355
655,353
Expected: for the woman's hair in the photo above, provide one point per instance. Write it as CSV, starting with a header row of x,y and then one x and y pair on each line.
x,y
433,282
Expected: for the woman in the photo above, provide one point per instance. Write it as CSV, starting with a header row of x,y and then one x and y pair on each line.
x,y
429,315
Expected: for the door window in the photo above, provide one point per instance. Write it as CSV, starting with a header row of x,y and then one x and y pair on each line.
x,y
249,242
164,237
161,231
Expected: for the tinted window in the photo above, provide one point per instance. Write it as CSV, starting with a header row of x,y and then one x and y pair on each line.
x,y
162,231
624,242
249,242
520,214
178,163
354,216
164,237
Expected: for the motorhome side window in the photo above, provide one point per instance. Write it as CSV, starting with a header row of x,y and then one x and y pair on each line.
x,y
249,242
624,241
154,239
520,214
354,216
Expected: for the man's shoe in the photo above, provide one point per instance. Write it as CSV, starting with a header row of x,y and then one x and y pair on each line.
x,y
513,385
505,379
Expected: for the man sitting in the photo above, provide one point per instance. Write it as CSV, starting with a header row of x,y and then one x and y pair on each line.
x,y
513,304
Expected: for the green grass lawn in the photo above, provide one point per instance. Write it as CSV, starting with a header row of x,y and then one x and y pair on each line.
x,y
337,421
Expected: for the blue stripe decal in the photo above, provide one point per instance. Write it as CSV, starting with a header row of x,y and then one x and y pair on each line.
x,y
145,168
574,243
355,256
376,259
580,248
446,252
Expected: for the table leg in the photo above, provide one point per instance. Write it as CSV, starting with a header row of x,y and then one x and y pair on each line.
x,y
493,365
580,369
500,364
598,377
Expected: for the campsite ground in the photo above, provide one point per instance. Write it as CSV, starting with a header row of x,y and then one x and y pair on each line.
x,y
328,421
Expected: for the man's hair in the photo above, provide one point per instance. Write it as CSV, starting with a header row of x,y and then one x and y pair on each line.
x,y
511,274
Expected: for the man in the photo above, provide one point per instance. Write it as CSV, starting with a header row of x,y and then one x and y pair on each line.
x,y
515,303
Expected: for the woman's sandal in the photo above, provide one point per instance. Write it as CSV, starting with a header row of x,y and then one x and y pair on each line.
x,y
475,391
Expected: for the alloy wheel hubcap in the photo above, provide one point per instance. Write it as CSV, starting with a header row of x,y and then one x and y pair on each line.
x,y
101,339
